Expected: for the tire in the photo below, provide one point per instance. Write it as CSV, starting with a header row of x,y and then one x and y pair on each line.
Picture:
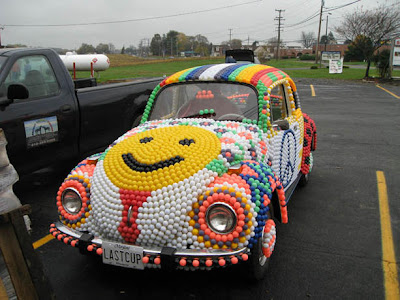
x,y
306,177
258,263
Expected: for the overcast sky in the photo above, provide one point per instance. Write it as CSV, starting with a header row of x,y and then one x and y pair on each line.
x,y
248,19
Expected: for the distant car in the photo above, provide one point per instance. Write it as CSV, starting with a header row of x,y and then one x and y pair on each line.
x,y
201,181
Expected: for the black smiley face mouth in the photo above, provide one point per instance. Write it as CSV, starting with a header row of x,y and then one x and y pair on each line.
x,y
134,165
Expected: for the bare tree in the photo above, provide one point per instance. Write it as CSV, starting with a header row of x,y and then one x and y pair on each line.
x,y
376,24
307,39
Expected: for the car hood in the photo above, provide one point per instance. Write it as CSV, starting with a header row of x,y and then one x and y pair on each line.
x,y
148,187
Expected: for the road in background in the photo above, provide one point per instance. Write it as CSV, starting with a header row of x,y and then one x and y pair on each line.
x,y
331,247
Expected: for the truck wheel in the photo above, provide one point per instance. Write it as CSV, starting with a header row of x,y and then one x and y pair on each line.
x,y
136,121
258,260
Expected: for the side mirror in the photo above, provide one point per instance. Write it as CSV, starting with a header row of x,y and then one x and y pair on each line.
x,y
281,124
17,91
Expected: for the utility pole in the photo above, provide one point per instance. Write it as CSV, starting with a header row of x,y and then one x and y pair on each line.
x,y
248,42
319,32
230,38
326,30
279,31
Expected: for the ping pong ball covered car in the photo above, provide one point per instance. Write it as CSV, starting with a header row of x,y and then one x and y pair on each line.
x,y
201,181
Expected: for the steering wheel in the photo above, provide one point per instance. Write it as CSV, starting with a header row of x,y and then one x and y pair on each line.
x,y
231,117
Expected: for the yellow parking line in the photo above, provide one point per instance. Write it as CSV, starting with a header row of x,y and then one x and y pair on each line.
x,y
394,95
389,264
3,291
42,241
312,90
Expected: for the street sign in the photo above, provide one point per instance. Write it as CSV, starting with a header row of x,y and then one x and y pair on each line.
x,y
328,55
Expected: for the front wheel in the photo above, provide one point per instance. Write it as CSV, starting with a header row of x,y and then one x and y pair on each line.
x,y
261,252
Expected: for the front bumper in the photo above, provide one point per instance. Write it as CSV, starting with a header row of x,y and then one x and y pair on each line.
x,y
163,257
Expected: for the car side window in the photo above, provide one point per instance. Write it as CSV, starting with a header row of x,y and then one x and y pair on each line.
x,y
278,103
36,73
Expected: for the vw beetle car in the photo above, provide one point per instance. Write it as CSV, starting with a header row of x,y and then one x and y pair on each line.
x,y
201,181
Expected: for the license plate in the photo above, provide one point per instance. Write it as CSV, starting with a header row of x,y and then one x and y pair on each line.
x,y
122,255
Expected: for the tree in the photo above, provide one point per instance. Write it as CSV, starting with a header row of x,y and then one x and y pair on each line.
x,y
123,50
328,39
377,25
255,45
85,49
155,44
111,48
200,45
184,44
171,42
236,44
131,50
272,45
103,48
307,39
382,63
233,44
360,49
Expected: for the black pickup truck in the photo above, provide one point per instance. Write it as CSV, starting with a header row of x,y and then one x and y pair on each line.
x,y
47,120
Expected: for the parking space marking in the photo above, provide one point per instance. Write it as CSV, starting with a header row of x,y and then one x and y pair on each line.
x,y
312,90
389,264
42,241
389,92
3,291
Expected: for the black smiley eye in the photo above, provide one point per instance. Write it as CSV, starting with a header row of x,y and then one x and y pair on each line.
x,y
146,140
186,142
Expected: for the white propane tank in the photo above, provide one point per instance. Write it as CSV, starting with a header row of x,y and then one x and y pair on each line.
x,y
82,61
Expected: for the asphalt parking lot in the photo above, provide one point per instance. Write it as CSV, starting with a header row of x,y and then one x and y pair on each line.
x,y
330,249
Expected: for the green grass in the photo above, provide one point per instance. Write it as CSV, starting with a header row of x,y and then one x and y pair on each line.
x,y
289,63
168,67
157,69
356,63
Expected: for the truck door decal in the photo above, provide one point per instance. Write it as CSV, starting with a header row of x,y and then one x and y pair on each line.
x,y
41,131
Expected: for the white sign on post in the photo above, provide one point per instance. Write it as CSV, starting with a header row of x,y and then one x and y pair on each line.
x,y
335,66
396,53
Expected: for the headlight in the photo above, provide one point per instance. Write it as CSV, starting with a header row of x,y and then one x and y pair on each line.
x,y
221,218
71,201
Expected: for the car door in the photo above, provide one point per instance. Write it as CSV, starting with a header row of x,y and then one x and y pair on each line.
x,y
286,142
43,128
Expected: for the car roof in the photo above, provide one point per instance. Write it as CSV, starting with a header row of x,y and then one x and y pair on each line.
x,y
254,74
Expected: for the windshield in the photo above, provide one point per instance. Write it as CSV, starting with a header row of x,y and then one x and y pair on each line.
x,y
214,100
2,61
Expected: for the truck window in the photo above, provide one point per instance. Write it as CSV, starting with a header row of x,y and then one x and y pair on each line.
x,y
35,73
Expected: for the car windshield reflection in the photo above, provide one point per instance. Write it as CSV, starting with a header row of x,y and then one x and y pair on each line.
x,y
218,101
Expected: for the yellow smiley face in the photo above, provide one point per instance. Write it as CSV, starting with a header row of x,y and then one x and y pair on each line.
x,y
159,157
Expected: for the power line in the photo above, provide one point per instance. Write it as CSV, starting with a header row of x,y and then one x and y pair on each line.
x,y
316,14
133,20
340,6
